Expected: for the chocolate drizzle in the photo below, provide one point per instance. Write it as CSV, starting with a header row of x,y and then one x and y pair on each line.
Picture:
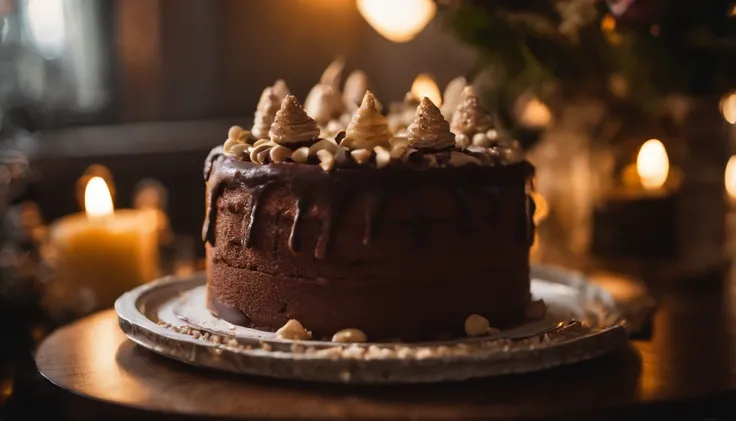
x,y
249,222
294,243
320,252
214,155
329,193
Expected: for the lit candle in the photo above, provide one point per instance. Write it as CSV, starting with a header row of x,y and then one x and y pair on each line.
x,y
728,107
397,21
652,164
638,218
730,179
651,174
104,251
424,85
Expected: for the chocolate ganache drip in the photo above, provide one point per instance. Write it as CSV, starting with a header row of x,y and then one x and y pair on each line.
x,y
330,193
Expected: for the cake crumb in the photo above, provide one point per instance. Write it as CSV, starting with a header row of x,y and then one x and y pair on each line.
x,y
293,330
349,335
476,325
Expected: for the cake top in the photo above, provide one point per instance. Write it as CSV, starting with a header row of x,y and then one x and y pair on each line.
x,y
292,125
285,132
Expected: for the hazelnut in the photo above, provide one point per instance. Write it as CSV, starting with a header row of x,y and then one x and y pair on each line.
x,y
492,134
349,335
361,156
260,142
235,148
462,141
458,159
293,330
300,155
323,144
480,139
398,141
263,157
398,152
476,325
279,153
383,156
326,159
235,132
256,150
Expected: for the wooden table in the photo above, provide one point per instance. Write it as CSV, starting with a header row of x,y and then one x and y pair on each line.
x,y
688,367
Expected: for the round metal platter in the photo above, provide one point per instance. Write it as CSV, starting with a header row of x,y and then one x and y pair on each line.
x,y
168,316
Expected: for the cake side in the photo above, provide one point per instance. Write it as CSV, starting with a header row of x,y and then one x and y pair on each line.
x,y
364,248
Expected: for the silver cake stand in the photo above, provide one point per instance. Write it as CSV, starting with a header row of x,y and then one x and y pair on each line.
x,y
168,316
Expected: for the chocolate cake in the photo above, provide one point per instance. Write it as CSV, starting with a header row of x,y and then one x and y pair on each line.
x,y
391,237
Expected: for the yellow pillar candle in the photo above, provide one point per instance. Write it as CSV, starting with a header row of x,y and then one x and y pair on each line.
x,y
104,251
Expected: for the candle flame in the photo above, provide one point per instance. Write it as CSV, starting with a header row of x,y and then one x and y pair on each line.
x,y
731,177
423,86
397,21
97,198
728,107
652,164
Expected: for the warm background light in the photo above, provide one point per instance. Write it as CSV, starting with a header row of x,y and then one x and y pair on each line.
x,y
535,114
731,177
423,86
652,164
728,107
397,20
97,199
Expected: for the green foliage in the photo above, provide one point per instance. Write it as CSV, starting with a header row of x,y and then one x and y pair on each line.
x,y
653,49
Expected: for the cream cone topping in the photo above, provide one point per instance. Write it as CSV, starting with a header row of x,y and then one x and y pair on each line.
x,y
471,117
453,96
429,130
368,128
292,124
281,90
324,103
266,110
355,88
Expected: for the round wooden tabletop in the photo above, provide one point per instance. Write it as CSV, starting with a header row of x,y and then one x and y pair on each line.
x,y
687,365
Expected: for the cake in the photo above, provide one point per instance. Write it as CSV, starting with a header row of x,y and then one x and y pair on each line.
x,y
368,236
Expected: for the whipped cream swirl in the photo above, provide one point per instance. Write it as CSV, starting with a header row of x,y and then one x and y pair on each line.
x,y
471,117
429,130
266,110
292,124
356,85
281,90
368,128
324,103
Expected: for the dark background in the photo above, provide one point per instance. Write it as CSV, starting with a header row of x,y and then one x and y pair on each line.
x,y
165,79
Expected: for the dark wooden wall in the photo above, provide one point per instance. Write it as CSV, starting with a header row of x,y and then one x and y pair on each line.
x,y
193,59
